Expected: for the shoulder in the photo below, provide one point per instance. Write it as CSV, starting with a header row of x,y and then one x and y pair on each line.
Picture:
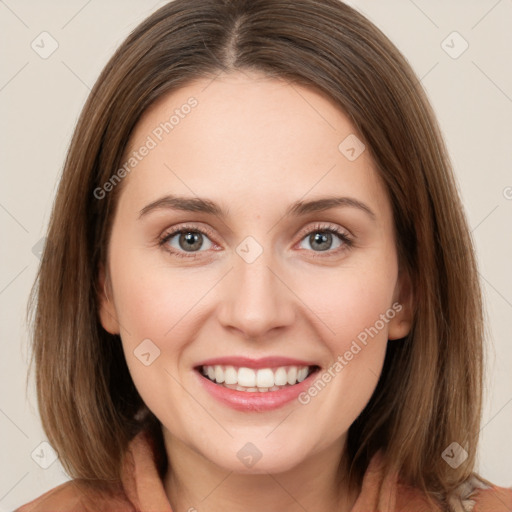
x,y
474,495
77,496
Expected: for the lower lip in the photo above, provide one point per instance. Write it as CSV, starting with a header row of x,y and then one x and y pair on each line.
x,y
254,401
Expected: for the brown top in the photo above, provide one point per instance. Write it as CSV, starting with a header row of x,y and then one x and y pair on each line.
x,y
143,491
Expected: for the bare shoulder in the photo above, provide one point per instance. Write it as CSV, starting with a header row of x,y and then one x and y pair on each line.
x,y
76,496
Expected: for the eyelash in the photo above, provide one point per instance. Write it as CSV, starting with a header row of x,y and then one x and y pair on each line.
x,y
348,243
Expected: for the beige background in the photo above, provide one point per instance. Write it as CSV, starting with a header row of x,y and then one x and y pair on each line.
x,y
40,100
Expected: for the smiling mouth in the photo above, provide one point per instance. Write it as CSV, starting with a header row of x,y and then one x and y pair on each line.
x,y
256,380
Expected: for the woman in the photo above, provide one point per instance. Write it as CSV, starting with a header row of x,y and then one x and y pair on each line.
x,y
195,348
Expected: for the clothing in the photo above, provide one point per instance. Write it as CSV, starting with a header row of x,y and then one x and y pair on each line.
x,y
143,491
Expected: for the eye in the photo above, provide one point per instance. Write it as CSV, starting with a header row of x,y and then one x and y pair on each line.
x,y
185,241
321,238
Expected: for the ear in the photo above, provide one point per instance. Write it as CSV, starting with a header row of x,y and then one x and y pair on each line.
x,y
403,305
107,310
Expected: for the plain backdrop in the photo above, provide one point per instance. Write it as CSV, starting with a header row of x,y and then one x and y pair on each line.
x,y
40,100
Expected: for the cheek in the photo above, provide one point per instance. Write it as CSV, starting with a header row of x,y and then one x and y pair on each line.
x,y
350,300
355,306
359,316
150,299
154,333
157,310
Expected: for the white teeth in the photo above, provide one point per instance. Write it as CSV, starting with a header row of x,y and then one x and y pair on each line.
x,y
292,375
230,375
281,377
246,377
263,379
219,374
302,374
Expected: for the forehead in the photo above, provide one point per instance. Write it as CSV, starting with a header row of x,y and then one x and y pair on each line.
x,y
251,139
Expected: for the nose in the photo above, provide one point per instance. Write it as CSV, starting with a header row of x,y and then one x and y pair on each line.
x,y
256,299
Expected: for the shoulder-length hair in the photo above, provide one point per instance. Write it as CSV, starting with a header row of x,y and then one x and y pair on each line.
x,y
429,393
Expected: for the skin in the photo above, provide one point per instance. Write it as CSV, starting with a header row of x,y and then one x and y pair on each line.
x,y
254,145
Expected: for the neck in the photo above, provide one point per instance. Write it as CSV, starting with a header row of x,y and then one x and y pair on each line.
x,y
194,483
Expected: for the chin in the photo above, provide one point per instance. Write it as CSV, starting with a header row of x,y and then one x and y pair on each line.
x,y
258,458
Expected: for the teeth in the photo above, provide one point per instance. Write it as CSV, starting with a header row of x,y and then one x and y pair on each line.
x,y
292,375
263,379
302,374
219,374
246,377
281,377
230,375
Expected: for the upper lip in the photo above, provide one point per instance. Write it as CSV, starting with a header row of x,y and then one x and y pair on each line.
x,y
264,362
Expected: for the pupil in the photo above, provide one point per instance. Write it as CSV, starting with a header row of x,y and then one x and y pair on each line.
x,y
323,239
193,240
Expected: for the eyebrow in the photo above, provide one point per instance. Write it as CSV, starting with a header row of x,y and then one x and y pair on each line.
x,y
299,208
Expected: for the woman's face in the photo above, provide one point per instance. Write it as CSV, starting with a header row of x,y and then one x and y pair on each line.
x,y
259,288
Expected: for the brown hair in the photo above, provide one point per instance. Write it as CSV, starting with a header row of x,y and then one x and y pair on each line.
x,y
429,393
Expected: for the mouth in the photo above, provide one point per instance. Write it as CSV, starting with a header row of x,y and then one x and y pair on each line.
x,y
255,385
256,380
